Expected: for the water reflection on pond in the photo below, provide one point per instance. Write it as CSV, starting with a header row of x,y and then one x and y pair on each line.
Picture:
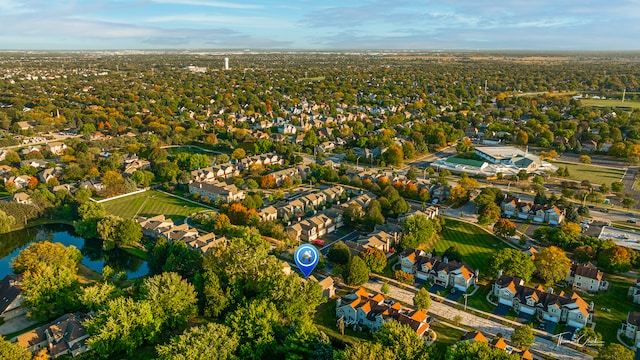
x,y
92,254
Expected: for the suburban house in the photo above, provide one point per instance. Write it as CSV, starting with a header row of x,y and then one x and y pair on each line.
x,y
378,239
65,335
21,198
512,207
268,213
160,226
11,298
586,277
440,271
363,310
268,159
631,327
560,307
211,173
497,342
217,191
634,292
139,164
327,285
430,213
56,147
51,173
312,228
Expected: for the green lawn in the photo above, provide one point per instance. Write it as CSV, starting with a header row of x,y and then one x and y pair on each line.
x,y
479,299
475,245
616,300
595,174
151,203
610,103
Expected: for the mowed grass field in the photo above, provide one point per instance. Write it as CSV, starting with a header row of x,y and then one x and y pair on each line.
x,y
474,244
595,174
151,203
610,103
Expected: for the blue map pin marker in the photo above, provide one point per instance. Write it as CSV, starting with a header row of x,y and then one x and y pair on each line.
x,y
307,257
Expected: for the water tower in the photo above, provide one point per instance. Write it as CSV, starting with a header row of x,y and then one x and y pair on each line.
x,y
226,63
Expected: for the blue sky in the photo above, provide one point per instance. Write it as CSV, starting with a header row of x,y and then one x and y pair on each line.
x,y
323,25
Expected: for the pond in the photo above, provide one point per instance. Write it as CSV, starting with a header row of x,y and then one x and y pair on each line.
x,y
92,254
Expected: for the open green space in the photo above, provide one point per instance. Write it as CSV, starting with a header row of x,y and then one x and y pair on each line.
x,y
595,174
610,103
617,303
479,299
475,245
151,203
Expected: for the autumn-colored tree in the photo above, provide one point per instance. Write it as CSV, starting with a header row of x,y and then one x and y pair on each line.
x,y
459,195
616,258
267,181
93,173
222,223
375,259
238,214
33,183
552,264
504,227
572,229
585,159
394,155
383,181
411,190
404,277
522,138
111,178
238,153
211,139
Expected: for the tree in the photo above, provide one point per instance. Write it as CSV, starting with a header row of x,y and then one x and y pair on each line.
x,y
49,290
13,351
122,325
353,214
588,335
257,324
373,215
572,229
552,264
615,352
504,228
585,159
404,277
213,298
172,298
130,232
204,342
512,262
402,340
385,288
339,253
477,350
6,221
96,296
267,181
408,150
452,254
394,155
112,178
522,138
522,336
310,138
356,272
418,230
375,259
629,202
616,258
412,174
366,351
46,253
459,195
422,299
238,154
617,186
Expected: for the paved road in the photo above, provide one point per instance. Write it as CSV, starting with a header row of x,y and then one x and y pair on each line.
x,y
484,325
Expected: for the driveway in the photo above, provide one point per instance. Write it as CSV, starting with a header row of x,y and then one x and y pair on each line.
x,y
434,289
524,318
454,296
16,324
502,309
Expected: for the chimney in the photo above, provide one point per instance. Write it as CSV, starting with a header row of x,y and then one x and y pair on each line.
x,y
591,306
499,273
445,260
338,302
550,290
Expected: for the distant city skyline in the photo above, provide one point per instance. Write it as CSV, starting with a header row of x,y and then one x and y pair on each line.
x,y
320,25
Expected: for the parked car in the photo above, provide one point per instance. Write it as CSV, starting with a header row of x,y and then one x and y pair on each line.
x,y
318,242
631,221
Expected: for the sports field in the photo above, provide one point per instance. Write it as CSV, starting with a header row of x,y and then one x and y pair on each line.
x,y
610,103
474,244
151,203
595,174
